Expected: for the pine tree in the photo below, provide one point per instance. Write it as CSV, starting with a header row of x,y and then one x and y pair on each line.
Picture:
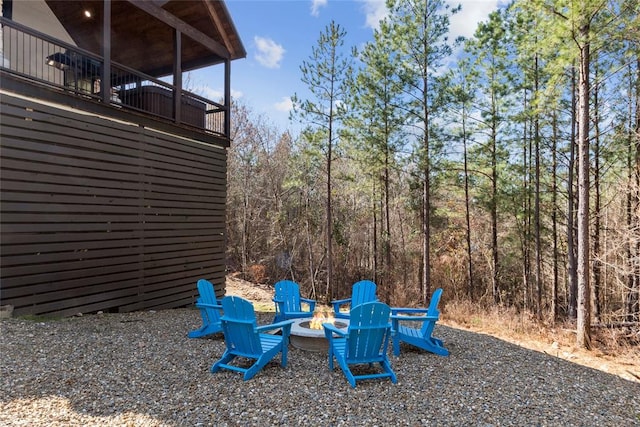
x,y
418,30
324,75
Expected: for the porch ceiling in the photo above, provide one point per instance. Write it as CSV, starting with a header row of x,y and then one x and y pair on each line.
x,y
142,41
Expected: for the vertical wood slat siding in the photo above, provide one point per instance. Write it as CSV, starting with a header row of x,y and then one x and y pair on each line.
x,y
103,215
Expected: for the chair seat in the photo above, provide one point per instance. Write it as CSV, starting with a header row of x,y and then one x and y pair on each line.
x,y
365,342
269,341
289,303
210,311
408,332
244,338
361,292
340,345
418,337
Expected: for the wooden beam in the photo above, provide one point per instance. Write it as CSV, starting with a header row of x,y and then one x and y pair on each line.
x,y
218,23
177,76
182,26
227,97
105,77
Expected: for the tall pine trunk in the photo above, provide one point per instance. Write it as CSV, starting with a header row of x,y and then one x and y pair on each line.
x,y
387,217
571,211
597,263
632,297
495,283
526,209
536,210
466,205
583,338
329,290
554,218
426,203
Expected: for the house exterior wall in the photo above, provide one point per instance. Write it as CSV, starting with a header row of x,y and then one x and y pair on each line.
x,y
34,14
98,214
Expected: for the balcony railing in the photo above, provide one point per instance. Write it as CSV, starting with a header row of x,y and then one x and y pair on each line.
x,y
40,58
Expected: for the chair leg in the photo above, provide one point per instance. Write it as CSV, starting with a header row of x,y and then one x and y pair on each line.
x,y
396,346
209,329
226,358
330,358
285,345
348,374
386,366
252,371
197,333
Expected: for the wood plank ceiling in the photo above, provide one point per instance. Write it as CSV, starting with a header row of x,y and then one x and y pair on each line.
x,y
143,42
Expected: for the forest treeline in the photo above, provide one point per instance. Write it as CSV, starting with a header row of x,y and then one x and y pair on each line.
x,y
504,168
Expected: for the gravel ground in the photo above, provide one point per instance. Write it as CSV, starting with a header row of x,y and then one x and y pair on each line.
x,y
140,369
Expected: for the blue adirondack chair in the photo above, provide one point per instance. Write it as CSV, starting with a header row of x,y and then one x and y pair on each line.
x,y
422,337
364,342
244,338
210,310
289,302
362,291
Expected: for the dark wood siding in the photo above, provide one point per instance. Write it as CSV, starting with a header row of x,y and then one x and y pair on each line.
x,y
104,215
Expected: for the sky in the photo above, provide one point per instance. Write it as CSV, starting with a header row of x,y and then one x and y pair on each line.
x,y
278,36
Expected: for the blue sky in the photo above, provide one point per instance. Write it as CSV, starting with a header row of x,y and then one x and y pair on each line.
x,y
278,36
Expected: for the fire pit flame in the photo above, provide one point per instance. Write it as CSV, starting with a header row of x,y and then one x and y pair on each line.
x,y
320,317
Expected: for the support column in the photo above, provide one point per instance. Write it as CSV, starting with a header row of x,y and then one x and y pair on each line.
x,y
105,74
177,76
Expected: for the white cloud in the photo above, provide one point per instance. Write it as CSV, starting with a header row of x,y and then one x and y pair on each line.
x,y
465,22
316,5
269,53
375,11
285,105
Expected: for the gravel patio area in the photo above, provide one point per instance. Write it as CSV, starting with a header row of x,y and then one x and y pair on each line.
x,y
140,369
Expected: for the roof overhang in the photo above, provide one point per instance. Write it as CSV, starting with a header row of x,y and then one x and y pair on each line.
x,y
143,32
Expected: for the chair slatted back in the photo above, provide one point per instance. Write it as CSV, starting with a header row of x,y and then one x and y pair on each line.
x,y
369,331
289,292
363,291
208,296
239,325
432,311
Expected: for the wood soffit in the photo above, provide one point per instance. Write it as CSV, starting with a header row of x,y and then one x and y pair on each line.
x,y
142,32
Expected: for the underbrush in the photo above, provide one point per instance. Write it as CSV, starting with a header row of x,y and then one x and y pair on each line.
x,y
512,324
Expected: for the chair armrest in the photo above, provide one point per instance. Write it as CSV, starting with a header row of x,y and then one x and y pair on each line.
x,y
279,303
337,303
278,325
205,305
408,310
330,329
395,318
311,302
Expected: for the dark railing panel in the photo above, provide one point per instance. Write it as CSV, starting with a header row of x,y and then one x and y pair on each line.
x,y
30,54
101,215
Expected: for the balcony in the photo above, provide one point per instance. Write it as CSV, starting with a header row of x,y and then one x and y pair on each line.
x,y
36,58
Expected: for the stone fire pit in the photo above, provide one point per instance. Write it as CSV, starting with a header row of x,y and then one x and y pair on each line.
x,y
305,338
